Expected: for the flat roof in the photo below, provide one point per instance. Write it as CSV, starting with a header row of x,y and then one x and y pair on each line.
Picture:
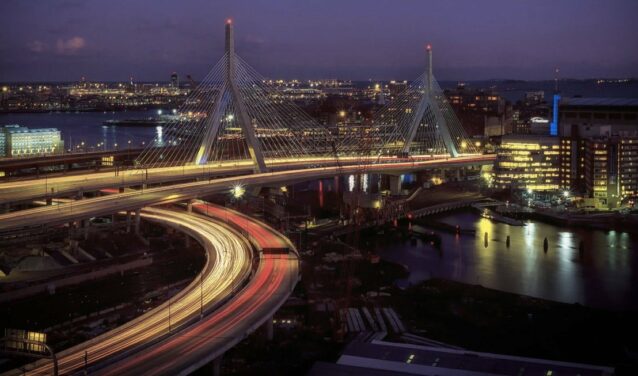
x,y
600,102
425,360
533,138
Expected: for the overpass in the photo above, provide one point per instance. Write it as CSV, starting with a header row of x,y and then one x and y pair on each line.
x,y
222,301
27,190
106,205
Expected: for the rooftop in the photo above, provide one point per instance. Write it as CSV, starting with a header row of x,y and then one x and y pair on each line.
x,y
360,358
600,102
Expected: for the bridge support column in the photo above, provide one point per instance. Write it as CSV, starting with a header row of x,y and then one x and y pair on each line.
x,y
189,206
80,195
128,221
49,201
395,185
85,225
215,367
137,220
269,329
113,220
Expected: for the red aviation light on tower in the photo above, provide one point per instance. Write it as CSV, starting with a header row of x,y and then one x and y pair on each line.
x,y
229,21
428,47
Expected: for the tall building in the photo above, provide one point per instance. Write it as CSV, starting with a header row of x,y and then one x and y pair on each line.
x,y
528,162
610,170
18,141
594,117
174,80
598,147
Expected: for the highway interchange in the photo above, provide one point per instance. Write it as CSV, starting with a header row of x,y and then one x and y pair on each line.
x,y
241,304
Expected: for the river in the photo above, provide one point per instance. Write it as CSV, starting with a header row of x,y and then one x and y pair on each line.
x,y
87,127
605,276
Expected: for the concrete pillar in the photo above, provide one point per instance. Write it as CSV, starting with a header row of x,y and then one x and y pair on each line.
x,y
395,185
128,221
80,195
113,220
49,200
216,366
137,220
269,329
189,206
188,241
85,225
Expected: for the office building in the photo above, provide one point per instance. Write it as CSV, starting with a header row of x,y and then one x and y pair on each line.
x,y
18,141
528,162
610,170
598,148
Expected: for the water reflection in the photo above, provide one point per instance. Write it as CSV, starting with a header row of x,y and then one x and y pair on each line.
x,y
159,136
350,183
602,275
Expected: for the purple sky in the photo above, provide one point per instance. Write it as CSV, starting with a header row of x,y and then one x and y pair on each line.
x,y
353,39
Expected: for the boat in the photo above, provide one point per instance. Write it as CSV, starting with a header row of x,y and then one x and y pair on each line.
x,y
145,122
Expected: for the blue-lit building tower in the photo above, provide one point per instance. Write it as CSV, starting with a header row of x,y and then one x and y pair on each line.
x,y
553,126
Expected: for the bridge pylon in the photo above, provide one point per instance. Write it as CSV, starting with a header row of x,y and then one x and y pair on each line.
x,y
237,116
420,121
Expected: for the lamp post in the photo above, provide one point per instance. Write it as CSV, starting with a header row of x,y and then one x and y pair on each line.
x,y
169,315
201,296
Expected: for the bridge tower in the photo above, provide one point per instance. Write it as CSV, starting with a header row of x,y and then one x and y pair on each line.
x,y
430,101
230,92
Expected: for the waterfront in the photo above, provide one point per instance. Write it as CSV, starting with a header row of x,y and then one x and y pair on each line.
x,y
87,127
606,275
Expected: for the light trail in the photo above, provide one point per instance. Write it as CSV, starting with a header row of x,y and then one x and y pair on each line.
x,y
264,236
275,278
22,190
105,205
228,265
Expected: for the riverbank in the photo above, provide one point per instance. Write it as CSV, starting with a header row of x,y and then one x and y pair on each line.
x,y
482,319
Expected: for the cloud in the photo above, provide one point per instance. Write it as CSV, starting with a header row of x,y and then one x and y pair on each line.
x,y
70,46
36,46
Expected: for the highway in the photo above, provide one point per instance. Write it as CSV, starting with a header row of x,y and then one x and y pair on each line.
x,y
261,235
228,265
28,189
208,339
106,205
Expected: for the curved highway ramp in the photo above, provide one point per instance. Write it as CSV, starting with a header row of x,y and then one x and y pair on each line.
x,y
234,304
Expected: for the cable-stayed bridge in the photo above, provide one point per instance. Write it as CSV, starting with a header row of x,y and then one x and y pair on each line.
x,y
234,115
234,122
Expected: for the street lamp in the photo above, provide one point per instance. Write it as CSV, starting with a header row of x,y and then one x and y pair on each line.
x,y
238,191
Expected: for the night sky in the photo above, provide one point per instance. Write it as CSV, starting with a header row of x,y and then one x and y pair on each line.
x,y
55,40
